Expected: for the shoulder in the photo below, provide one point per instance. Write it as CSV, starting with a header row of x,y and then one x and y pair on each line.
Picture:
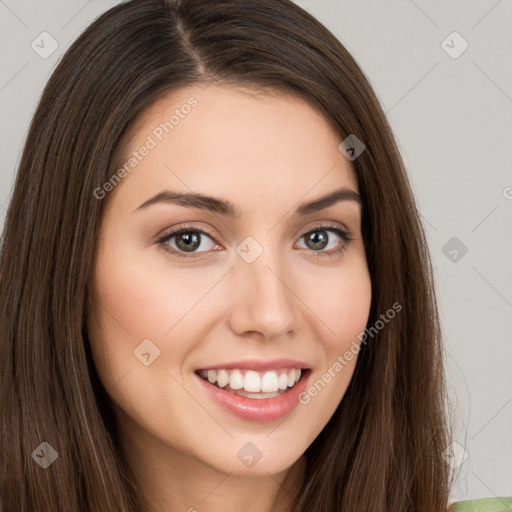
x,y
501,504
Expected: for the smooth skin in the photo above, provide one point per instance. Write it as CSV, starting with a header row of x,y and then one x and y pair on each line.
x,y
267,153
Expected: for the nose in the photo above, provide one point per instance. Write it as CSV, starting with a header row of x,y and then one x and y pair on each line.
x,y
264,299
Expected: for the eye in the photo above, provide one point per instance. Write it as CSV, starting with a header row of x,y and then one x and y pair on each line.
x,y
318,239
187,240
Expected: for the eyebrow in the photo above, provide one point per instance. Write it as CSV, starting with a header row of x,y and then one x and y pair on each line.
x,y
223,207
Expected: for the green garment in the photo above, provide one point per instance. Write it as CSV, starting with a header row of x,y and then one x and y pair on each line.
x,y
501,504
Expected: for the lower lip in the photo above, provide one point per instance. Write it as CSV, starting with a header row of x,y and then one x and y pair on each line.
x,y
254,409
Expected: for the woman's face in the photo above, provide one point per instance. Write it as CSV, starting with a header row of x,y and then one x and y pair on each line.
x,y
246,296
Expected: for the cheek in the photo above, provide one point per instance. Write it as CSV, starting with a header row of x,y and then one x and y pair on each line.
x,y
340,300
344,308
139,295
353,306
343,305
148,295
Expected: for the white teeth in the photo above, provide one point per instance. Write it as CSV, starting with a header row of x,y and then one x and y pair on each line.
x,y
236,380
252,381
269,382
222,378
283,381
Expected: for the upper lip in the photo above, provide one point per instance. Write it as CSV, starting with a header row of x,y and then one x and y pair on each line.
x,y
258,364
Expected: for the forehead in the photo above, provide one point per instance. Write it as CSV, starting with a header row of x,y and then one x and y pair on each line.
x,y
235,142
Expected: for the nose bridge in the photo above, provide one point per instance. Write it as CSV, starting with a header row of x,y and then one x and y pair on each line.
x,y
263,298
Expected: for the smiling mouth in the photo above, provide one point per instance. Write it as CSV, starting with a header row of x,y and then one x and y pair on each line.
x,y
253,384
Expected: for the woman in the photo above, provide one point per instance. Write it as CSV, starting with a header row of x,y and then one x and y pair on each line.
x,y
216,290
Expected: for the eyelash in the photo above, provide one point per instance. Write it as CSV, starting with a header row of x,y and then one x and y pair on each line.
x,y
342,233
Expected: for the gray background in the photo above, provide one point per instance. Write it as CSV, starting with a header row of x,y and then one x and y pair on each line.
x,y
452,118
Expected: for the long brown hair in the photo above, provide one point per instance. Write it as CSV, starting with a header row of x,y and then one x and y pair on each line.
x,y
382,450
